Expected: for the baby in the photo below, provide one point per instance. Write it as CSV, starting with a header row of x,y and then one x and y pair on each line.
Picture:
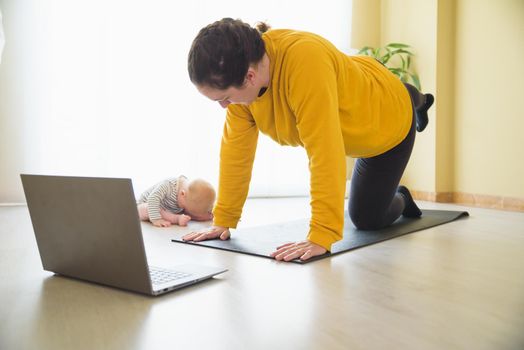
x,y
176,201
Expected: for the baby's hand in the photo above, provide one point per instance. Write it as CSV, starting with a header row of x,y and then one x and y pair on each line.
x,y
183,220
161,223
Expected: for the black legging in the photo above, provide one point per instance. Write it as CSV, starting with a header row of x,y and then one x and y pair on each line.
x,y
373,199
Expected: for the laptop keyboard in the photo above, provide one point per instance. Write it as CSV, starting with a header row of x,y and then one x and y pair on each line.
x,y
161,276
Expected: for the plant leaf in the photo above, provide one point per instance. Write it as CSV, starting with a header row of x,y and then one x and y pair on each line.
x,y
402,51
403,62
398,45
416,81
399,67
386,58
398,72
365,50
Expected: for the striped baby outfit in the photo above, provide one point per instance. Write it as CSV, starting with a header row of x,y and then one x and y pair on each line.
x,y
163,195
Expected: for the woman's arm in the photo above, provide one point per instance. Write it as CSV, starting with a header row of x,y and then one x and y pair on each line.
x,y
237,154
313,98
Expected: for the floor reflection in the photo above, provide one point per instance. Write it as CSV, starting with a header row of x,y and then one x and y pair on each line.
x,y
75,314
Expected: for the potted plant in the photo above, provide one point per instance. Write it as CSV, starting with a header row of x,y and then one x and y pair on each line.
x,y
397,58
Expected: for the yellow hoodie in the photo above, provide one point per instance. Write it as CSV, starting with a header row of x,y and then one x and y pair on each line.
x,y
319,98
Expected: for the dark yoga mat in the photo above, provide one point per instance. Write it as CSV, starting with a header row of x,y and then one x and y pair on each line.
x,y
262,240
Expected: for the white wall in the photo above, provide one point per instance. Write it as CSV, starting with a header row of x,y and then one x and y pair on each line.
x,y
100,88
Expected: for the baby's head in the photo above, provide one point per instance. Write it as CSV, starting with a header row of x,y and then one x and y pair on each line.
x,y
197,198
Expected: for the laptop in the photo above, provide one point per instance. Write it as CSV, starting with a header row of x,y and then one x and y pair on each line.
x,y
88,228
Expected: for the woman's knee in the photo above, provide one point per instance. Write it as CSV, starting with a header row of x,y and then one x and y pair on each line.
x,y
365,220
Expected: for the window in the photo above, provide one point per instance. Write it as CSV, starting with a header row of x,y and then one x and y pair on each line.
x,y
100,88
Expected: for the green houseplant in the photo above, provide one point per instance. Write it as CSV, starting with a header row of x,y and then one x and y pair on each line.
x,y
397,58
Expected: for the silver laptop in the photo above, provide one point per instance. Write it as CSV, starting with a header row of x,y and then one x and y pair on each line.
x,y
88,228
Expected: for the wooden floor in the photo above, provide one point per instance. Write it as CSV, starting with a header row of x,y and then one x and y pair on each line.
x,y
455,286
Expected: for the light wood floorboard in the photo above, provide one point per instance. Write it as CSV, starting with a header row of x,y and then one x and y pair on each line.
x,y
455,286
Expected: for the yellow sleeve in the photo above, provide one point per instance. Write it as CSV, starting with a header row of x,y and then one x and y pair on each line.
x,y
237,153
313,98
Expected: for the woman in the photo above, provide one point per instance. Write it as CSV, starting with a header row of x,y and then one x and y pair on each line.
x,y
297,88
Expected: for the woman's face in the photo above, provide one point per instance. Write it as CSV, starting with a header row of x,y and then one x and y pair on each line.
x,y
243,95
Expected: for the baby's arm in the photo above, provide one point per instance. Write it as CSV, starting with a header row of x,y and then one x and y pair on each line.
x,y
143,213
153,204
168,217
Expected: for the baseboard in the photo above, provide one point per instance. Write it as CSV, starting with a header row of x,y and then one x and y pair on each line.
x,y
474,200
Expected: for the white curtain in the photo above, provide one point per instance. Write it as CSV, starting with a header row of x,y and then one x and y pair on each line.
x,y
100,88
2,39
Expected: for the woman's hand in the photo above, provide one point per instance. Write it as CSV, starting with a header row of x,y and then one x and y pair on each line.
x,y
213,232
303,250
